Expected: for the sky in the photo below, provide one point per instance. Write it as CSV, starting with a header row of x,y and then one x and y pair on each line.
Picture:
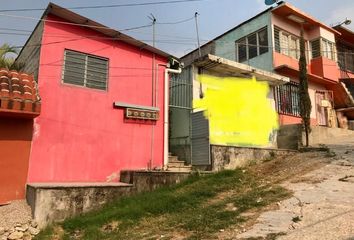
x,y
215,17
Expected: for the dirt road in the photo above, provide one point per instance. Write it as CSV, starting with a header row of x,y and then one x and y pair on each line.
x,y
323,203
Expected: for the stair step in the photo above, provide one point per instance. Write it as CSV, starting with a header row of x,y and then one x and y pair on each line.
x,y
176,164
180,169
172,158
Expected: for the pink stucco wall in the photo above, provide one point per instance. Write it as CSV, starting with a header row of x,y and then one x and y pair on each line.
x,y
79,135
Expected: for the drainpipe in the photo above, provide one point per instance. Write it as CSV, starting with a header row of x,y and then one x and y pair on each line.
x,y
166,104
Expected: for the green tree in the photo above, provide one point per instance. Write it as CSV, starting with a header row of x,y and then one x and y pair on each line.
x,y
9,62
305,101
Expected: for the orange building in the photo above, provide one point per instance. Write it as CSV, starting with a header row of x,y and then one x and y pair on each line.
x,y
19,105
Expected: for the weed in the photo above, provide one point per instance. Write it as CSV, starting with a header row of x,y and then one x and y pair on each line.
x,y
183,208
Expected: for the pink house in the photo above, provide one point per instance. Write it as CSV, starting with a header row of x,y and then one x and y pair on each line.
x,y
102,100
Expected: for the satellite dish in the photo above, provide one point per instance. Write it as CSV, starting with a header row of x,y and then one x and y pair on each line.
x,y
270,2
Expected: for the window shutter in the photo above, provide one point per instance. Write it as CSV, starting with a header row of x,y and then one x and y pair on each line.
x,y
96,73
74,68
316,48
277,39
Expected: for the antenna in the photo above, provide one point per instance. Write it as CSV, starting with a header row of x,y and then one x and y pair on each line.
x,y
153,19
270,2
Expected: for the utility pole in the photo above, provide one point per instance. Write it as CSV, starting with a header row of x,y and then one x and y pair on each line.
x,y
154,100
201,94
196,27
153,19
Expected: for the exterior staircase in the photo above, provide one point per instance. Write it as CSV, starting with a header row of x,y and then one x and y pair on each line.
x,y
175,165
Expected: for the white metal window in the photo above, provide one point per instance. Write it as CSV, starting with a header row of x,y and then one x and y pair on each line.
x,y
323,47
286,43
253,45
85,70
327,49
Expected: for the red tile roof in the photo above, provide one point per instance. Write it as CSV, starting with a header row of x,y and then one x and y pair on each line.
x,y
18,94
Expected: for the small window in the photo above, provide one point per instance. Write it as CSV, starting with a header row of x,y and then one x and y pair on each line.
x,y
85,70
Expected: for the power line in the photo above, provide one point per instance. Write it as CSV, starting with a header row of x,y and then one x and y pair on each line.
x,y
187,43
73,24
105,6
178,22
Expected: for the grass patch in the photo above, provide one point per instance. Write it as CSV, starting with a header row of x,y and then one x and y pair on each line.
x,y
185,209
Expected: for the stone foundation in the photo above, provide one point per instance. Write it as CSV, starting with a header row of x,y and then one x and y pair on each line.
x,y
226,157
143,181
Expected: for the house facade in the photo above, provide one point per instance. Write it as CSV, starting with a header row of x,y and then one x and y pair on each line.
x,y
102,100
231,107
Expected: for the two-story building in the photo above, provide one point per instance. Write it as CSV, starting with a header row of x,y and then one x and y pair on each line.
x,y
270,41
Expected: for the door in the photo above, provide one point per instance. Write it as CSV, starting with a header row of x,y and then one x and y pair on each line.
x,y
200,140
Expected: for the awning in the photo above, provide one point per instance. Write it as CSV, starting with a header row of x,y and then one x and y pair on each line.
x,y
228,68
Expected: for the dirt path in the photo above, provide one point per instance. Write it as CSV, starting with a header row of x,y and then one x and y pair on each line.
x,y
322,206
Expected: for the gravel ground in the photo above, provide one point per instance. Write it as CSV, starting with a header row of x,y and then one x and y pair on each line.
x,y
323,203
15,212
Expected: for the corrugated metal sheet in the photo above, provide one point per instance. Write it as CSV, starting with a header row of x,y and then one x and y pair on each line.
x,y
200,140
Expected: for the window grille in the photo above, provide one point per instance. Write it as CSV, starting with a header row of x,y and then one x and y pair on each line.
x,y
85,70
287,99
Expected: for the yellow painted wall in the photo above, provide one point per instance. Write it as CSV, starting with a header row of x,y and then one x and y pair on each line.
x,y
238,110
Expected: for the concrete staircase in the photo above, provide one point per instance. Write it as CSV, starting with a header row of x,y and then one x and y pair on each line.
x,y
175,165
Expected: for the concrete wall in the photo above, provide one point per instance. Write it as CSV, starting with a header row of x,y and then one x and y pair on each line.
x,y
293,137
15,146
79,135
143,181
225,45
226,157
56,202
